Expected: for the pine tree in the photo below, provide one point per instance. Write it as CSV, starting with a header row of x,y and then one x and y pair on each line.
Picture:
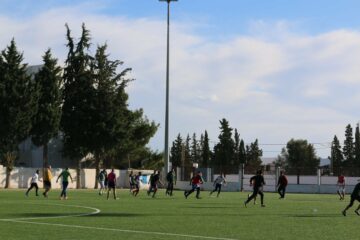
x,y
242,152
176,152
194,151
348,148
18,97
253,154
336,156
206,152
236,161
224,150
46,122
187,157
78,96
357,148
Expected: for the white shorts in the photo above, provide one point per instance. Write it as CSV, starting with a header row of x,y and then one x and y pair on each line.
x,y
102,184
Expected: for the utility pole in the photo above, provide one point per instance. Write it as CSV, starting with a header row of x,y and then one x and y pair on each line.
x,y
166,147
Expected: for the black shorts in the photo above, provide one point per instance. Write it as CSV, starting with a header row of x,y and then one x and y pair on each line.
x,y
111,184
47,184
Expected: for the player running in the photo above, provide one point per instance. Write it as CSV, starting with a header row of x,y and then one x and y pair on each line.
x,y
34,180
111,183
258,182
341,186
282,183
136,183
171,179
195,183
131,181
154,182
47,180
219,181
355,195
65,174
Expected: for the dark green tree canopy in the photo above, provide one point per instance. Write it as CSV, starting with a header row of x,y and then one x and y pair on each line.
x,y
46,121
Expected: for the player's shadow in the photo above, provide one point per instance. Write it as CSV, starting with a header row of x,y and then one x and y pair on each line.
x,y
209,207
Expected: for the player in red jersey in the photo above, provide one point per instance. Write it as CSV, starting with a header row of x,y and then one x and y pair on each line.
x,y
282,183
111,183
195,183
341,186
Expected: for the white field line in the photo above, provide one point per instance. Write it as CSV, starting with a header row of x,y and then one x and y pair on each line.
x,y
97,211
123,230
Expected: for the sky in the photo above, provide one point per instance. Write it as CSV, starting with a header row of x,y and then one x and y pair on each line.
x,y
276,70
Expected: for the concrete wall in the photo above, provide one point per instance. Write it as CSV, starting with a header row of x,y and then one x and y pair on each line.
x,y
20,178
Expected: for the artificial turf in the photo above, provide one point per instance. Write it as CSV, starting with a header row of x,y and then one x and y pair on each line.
x,y
299,216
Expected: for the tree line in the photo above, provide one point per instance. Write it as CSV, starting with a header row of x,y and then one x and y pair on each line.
x,y
227,155
85,103
346,159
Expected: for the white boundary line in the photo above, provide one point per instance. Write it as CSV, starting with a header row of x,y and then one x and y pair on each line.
x,y
97,211
123,230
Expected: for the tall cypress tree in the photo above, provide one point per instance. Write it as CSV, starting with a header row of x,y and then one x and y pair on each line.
x,y
46,122
357,148
336,156
18,97
205,151
78,97
176,152
236,161
194,150
348,148
224,150
242,152
187,164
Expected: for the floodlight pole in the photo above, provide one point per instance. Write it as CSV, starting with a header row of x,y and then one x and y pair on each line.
x,y
166,147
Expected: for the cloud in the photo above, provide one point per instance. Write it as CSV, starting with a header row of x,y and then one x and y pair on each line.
x,y
272,84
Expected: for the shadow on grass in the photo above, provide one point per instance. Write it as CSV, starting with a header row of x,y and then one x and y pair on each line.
x,y
315,215
115,214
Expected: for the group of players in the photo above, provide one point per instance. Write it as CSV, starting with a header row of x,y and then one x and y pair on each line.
x,y
108,182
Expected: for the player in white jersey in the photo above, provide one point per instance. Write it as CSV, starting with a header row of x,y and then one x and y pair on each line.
x,y
219,181
34,180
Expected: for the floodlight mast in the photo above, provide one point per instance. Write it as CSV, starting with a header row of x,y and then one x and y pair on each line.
x,y
166,147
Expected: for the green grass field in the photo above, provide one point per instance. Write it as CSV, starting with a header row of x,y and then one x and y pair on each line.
x,y
299,216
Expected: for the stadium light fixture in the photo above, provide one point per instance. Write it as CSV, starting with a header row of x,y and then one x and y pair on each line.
x,y
166,147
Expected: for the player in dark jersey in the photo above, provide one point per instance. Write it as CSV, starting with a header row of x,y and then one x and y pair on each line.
x,y
257,182
136,183
151,183
195,183
155,183
171,179
355,195
282,183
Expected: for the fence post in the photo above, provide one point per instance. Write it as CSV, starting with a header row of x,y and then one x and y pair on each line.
x,y
319,179
241,178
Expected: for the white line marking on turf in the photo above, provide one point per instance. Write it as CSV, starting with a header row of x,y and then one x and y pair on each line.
x,y
96,211
123,230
